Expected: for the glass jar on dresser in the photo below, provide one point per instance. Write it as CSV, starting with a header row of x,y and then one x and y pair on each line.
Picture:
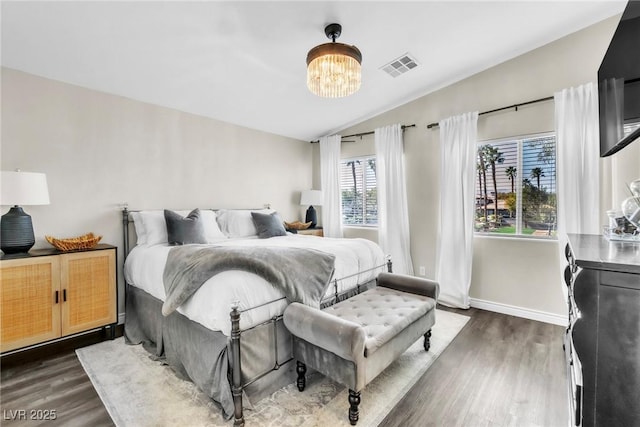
x,y
602,342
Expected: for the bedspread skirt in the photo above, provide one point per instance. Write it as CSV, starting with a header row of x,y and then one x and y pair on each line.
x,y
201,355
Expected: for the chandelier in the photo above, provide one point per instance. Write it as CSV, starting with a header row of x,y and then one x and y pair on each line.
x,y
333,69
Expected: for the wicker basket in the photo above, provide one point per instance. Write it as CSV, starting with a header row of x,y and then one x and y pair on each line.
x,y
297,225
86,241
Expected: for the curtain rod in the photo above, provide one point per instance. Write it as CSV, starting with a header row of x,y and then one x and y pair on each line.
x,y
403,127
548,98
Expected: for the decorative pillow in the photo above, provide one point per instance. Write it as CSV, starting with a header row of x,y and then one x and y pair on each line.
x,y
151,226
268,225
238,223
184,230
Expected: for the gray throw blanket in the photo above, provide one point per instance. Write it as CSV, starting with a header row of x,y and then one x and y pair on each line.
x,y
303,275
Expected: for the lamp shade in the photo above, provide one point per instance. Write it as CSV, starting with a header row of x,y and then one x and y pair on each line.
x,y
23,188
311,197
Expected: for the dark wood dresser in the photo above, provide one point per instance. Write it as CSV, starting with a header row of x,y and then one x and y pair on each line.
x,y
602,343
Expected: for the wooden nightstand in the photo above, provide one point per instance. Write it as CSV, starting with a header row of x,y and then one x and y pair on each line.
x,y
48,294
316,231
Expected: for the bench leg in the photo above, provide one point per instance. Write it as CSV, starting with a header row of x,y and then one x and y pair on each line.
x,y
427,340
301,369
354,401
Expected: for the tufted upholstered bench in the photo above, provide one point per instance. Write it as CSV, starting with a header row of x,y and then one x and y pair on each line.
x,y
356,339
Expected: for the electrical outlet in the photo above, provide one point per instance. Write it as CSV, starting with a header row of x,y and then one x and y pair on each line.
x,y
422,270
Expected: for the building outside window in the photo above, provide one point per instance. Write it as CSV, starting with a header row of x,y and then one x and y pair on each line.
x,y
516,186
359,192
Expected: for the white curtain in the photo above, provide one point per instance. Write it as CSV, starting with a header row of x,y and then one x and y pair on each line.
x,y
577,165
393,213
578,149
330,181
458,138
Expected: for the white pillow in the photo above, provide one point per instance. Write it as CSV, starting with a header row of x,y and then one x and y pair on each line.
x,y
154,227
141,236
212,232
238,223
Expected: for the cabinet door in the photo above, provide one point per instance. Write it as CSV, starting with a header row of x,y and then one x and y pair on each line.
x,y
88,282
30,313
618,369
584,338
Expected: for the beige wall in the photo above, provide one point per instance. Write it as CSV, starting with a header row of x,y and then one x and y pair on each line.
x,y
512,272
101,150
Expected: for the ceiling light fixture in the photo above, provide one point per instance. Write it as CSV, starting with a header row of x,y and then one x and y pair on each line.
x,y
334,69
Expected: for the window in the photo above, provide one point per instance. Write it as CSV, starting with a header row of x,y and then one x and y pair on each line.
x,y
359,191
516,186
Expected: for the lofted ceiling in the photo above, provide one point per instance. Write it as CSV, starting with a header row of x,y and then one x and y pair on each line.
x,y
244,62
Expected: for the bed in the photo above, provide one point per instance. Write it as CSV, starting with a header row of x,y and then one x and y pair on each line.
x,y
228,337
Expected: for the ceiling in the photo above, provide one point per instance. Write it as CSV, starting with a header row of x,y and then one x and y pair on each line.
x,y
244,62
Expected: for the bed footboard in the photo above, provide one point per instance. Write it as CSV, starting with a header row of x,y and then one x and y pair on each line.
x,y
236,369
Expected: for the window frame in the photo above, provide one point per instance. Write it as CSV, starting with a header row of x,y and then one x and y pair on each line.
x,y
519,139
363,159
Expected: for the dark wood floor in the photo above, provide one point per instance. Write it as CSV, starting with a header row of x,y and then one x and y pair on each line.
x,y
499,371
36,382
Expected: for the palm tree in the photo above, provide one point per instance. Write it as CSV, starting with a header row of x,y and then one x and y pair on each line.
x,y
372,165
511,173
492,156
546,148
482,169
354,202
537,173
352,163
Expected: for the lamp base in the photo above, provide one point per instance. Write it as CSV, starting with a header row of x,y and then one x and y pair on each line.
x,y
311,217
16,231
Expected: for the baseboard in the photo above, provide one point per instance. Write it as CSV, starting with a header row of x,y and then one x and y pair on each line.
x,y
527,313
120,318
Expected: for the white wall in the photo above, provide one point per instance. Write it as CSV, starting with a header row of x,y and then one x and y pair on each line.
x,y
507,272
100,150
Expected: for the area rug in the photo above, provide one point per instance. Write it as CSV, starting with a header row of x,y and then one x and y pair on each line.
x,y
138,391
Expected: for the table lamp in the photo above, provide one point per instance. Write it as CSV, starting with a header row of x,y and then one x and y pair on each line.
x,y
20,188
311,197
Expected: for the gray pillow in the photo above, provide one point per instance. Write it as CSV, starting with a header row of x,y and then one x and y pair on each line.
x,y
184,230
268,225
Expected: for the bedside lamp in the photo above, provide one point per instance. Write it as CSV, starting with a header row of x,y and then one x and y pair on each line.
x,y
311,197
20,188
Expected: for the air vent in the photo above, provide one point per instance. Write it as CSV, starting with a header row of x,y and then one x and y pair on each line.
x,y
400,65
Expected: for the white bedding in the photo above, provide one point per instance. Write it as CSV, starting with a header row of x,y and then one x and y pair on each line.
x,y
211,304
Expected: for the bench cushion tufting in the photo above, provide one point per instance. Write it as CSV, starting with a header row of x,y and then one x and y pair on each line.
x,y
354,340
382,312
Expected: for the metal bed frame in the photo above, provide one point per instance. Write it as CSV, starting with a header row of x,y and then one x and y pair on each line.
x,y
235,366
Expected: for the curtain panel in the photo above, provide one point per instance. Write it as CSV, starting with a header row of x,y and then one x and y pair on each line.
x,y
577,168
330,182
578,177
458,139
393,212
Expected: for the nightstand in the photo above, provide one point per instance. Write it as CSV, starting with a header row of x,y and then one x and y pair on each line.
x,y
316,231
48,294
